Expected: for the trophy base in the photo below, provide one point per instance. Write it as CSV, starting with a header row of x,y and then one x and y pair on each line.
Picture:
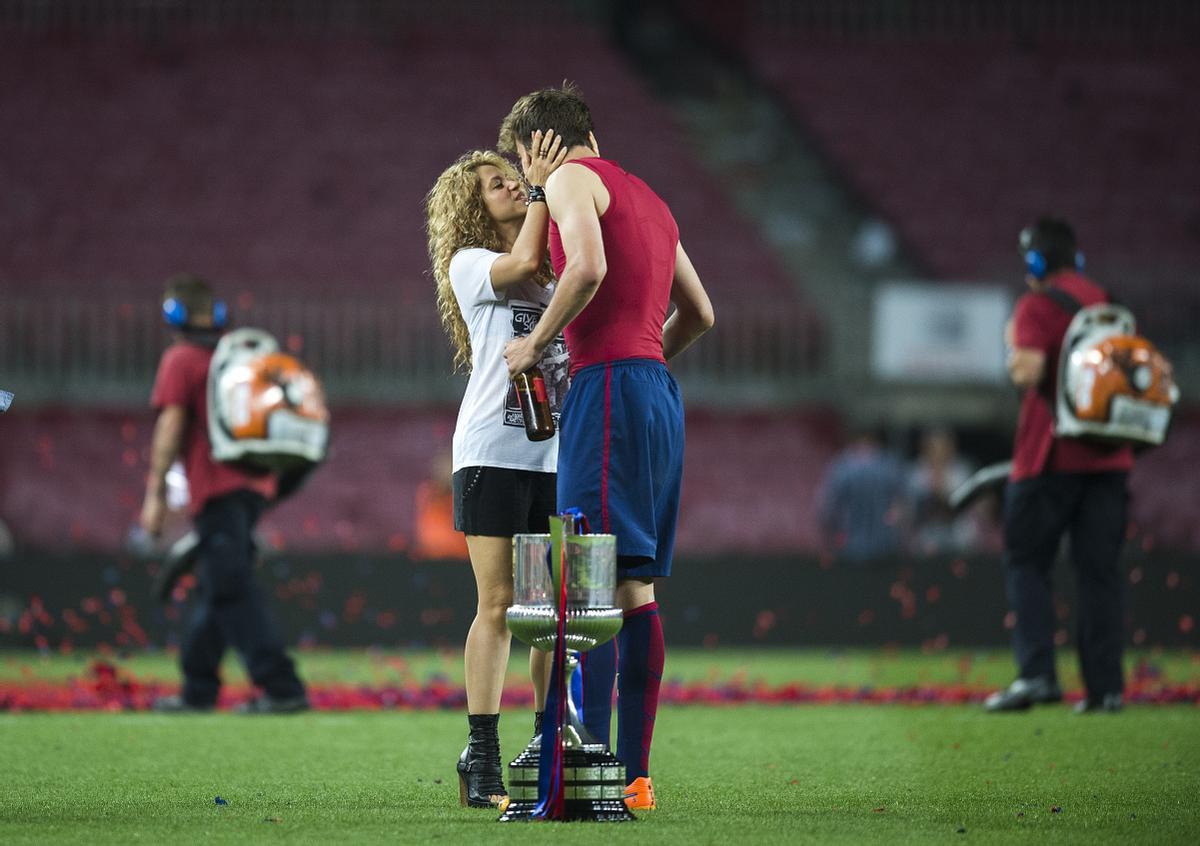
x,y
593,786
576,810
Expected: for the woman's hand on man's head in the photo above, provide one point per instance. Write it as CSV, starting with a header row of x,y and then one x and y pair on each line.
x,y
544,156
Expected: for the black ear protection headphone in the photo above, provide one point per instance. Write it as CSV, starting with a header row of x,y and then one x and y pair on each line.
x,y
1035,261
175,313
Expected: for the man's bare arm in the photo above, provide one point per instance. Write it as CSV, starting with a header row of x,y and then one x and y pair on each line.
x,y
693,310
164,448
573,207
570,194
1026,366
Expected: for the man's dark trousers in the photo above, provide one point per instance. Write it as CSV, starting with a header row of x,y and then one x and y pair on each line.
x,y
1090,508
232,609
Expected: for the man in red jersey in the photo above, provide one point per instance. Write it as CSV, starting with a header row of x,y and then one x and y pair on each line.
x,y
616,252
225,505
1059,486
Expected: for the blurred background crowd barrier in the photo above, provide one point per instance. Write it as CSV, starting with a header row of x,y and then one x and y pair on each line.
x,y
848,175
367,599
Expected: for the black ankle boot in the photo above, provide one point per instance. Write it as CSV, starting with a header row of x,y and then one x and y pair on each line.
x,y
479,776
536,743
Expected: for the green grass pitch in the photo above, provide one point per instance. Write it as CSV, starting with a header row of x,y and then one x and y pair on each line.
x,y
745,774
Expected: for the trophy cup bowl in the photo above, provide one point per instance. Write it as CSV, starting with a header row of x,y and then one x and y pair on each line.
x,y
592,618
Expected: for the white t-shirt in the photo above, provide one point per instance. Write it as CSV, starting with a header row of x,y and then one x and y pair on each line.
x,y
490,431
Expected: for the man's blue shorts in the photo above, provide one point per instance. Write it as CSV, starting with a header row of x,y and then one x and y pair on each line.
x,y
620,458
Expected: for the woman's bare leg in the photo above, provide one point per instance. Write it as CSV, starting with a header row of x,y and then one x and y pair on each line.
x,y
539,674
485,658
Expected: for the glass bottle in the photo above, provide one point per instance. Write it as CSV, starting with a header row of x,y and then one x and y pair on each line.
x,y
535,404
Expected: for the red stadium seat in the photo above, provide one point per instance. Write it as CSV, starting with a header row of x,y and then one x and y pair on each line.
x,y
297,167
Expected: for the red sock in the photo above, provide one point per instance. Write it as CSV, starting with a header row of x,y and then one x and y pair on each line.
x,y
639,668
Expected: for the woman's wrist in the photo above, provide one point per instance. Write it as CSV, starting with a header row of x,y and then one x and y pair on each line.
x,y
535,194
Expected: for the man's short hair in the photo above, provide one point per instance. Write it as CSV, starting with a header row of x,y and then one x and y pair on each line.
x,y
560,109
193,291
1054,238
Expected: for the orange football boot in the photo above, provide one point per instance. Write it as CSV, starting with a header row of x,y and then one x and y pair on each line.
x,y
639,796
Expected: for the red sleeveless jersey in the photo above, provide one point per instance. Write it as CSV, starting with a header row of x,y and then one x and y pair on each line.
x,y
626,316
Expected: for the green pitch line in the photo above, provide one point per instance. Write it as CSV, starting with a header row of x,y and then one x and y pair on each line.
x,y
770,775
880,668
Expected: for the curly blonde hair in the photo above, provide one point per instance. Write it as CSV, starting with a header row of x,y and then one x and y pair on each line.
x,y
455,219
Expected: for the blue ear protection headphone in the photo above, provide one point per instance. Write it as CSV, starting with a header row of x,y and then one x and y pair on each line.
x,y
176,313
1035,262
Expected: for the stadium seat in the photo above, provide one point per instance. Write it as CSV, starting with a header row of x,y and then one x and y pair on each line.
x,y
296,167
961,143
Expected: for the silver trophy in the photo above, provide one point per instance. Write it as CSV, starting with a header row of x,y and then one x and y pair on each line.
x,y
592,618
593,778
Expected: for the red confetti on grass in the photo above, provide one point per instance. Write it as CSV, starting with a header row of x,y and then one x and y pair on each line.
x,y
105,687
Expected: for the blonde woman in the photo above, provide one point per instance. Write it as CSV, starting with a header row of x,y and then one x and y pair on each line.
x,y
487,244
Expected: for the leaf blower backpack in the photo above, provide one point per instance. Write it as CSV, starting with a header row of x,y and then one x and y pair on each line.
x,y
266,410
1113,385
